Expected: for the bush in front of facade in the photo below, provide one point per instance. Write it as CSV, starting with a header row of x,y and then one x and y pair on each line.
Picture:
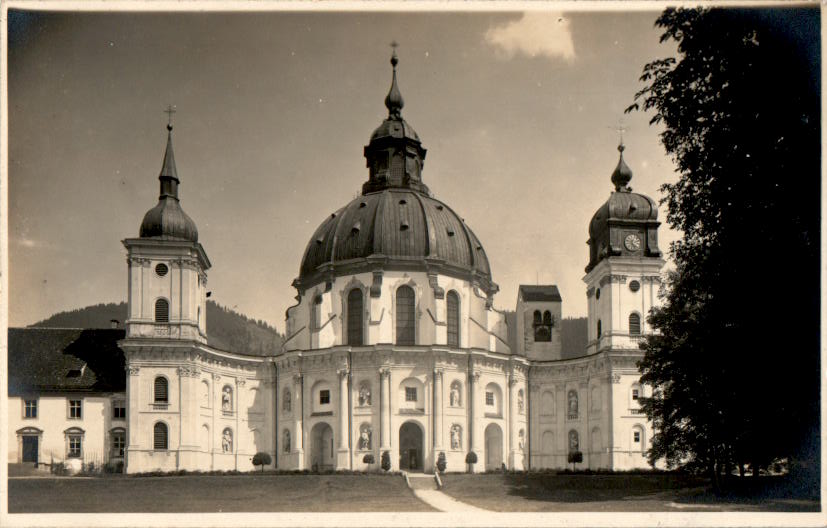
x,y
262,459
386,461
369,459
471,458
441,463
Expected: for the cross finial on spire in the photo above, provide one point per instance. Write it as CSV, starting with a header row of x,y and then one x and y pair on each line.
x,y
394,59
620,129
394,101
169,111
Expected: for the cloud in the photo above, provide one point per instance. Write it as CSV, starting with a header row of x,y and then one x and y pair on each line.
x,y
534,34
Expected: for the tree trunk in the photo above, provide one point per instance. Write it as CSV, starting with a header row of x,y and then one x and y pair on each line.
x,y
741,470
756,470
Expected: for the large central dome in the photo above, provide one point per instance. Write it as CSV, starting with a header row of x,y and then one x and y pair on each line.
x,y
396,223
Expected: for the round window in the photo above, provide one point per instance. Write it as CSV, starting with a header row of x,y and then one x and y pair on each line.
x,y
597,293
634,285
161,269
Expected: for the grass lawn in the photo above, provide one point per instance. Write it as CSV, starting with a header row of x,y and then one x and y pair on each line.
x,y
192,493
537,492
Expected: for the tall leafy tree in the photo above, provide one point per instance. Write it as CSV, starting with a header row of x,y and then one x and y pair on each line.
x,y
735,365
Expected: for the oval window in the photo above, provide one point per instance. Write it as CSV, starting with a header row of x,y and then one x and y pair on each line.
x,y
161,269
634,285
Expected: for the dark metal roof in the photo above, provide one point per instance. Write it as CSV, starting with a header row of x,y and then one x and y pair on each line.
x,y
65,360
540,293
167,220
394,227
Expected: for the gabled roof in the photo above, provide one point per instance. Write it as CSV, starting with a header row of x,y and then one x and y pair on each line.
x,y
540,293
65,360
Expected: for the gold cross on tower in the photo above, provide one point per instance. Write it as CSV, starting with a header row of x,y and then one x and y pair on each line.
x,y
620,129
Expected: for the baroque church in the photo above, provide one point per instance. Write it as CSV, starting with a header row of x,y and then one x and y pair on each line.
x,y
393,346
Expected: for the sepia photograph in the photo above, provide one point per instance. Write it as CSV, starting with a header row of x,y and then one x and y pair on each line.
x,y
443,264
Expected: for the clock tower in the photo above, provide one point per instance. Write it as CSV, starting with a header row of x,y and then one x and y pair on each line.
x,y
623,273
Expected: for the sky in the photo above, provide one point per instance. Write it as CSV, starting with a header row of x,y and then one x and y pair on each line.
x,y
518,112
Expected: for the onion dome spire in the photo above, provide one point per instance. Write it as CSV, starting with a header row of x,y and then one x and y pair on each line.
x,y
394,101
167,220
169,173
622,174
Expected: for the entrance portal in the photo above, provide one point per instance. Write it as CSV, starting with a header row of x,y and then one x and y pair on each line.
x,y
493,447
321,447
410,446
30,449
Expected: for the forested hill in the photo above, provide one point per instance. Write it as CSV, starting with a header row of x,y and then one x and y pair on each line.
x,y
226,329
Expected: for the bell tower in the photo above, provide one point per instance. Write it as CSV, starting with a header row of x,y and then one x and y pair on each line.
x,y
623,273
167,267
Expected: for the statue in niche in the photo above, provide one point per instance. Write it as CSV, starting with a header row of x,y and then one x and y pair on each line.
x,y
364,395
456,437
286,441
520,402
574,441
521,441
454,397
572,403
227,399
365,438
227,441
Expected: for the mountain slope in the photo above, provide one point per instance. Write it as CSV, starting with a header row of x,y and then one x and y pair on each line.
x,y
226,329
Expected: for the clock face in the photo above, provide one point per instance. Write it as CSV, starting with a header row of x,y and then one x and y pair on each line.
x,y
632,242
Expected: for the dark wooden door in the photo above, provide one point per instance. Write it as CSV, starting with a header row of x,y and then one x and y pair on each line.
x,y
30,449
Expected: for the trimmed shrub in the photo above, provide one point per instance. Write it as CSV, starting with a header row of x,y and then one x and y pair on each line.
x,y
386,461
369,459
575,457
440,462
262,459
471,458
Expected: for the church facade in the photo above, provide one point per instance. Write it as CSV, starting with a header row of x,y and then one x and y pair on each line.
x,y
394,345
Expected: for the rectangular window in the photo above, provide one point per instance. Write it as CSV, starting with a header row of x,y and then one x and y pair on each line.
x,y
30,409
489,398
76,409
635,394
410,394
118,444
75,445
637,437
119,410
324,397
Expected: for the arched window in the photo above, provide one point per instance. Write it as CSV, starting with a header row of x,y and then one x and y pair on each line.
x,y
405,311
634,324
452,303
354,317
160,435
599,328
542,326
161,311
316,313
161,390
638,439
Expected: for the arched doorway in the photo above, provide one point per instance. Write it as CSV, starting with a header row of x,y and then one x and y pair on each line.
x,y
321,447
493,447
410,446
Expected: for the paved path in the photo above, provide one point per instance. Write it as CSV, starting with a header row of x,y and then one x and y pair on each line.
x,y
424,487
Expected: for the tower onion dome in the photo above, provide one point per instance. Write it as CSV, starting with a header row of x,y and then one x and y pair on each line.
x,y
167,220
623,213
395,224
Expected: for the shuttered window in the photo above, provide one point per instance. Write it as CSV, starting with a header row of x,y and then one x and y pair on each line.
x,y
161,311
634,324
161,392
354,317
405,323
160,436
452,301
